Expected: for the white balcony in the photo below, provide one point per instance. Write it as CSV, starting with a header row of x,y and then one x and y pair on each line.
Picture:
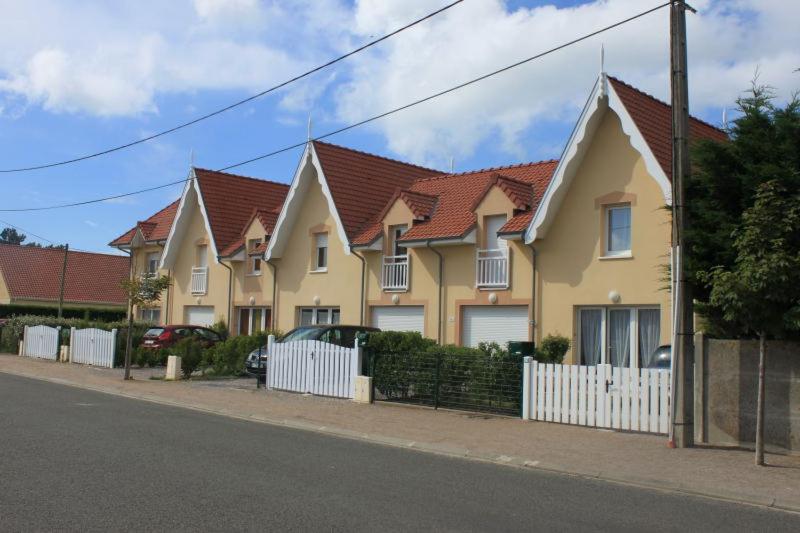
x,y
395,273
491,270
199,280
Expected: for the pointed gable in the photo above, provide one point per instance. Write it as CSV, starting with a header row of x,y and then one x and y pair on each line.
x,y
154,229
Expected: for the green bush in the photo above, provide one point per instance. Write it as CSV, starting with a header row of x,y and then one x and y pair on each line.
x,y
191,353
221,327
397,341
148,357
228,357
553,349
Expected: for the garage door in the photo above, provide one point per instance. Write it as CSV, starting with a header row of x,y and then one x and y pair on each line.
x,y
199,315
399,318
494,323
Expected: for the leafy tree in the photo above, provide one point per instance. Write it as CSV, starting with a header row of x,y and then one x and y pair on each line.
x,y
141,290
760,293
11,236
764,146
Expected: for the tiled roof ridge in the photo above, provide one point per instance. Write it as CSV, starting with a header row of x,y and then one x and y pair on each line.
x,y
147,220
251,178
391,160
61,250
663,103
490,169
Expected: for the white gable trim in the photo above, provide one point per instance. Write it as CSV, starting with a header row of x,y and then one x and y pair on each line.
x,y
293,204
602,98
182,217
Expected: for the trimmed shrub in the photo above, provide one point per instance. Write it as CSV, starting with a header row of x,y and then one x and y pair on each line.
x,y
221,327
553,349
228,357
191,353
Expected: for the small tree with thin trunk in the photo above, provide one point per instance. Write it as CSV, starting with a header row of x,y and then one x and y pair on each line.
x,y
760,294
141,291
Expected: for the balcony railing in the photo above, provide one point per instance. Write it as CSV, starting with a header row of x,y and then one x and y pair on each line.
x,y
199,280
395,273
492,268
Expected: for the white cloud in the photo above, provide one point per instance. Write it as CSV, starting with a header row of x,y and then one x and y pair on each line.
x,y
91,223
727,40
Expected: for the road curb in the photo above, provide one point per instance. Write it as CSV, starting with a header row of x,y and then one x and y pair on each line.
x,y
441,449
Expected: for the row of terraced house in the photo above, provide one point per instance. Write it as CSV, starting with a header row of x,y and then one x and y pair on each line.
x,y
575,247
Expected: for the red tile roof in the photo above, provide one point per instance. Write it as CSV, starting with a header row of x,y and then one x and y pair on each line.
x,y
654,120
33,273
230,201
155,228
459,194
361,184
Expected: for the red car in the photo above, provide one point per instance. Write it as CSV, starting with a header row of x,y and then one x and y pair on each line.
x,y
165,336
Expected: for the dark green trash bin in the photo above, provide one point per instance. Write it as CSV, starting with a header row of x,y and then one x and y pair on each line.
x,y
522,348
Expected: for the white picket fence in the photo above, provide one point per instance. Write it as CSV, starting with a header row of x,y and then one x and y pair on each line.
x,y
599,396
92,346
40,341
313,367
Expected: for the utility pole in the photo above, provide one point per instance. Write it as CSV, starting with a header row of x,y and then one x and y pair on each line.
x,y
63,282
683,351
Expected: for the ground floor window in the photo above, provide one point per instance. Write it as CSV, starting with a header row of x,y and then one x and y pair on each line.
x,y
152,314
253,320
319,315
618,336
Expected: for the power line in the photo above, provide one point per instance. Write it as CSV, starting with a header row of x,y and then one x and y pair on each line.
x,y
235,104
370,119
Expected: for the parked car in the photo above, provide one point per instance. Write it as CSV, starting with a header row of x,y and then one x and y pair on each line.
x,y
662,357
165,336
333,333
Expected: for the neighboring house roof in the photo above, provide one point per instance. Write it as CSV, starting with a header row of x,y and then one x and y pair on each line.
x,y
154,229
653,118
33,273
229,202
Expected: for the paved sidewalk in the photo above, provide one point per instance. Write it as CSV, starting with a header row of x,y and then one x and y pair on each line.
x,y
629,458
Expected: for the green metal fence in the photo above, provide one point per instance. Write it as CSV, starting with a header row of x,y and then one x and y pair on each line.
x,y
457,381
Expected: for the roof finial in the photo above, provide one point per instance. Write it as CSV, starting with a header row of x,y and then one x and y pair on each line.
x,y
191,157
452,164
602,59
724,118
309,127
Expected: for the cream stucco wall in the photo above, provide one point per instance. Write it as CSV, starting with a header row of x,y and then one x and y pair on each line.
x,y
249,289
459,272
571,272
297,285
185,259
5,297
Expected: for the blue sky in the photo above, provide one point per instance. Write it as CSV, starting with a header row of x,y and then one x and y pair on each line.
x,y
75,80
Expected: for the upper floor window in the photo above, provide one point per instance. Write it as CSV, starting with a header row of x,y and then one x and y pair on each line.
x,y
396,233
618,230
152,262
321,251
492,224
202,255
255,261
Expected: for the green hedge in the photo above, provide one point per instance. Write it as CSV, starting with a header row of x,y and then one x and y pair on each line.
x,y
85,313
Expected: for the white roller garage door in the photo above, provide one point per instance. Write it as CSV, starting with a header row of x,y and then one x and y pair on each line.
x,y
199,315
494,323
399,318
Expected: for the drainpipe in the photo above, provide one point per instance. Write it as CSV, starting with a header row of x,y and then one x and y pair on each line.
x,y
439,332
274,317
363,279
230,290
534,324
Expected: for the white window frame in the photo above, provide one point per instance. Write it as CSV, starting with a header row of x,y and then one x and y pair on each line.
x,y
151,259
264,311
634,331
252,244
320,244
150,311
396,233
315,315
608,252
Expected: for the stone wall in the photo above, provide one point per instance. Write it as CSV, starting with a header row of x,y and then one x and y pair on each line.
x,y
726,387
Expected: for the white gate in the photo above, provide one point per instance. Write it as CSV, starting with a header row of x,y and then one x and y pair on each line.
x,y
599,396
40,341
313,367
92,346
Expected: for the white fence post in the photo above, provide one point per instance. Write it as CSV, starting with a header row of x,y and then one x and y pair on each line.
x,y
71,344
526,387
268,379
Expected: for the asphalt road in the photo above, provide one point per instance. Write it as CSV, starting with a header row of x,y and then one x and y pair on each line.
x,y
72,459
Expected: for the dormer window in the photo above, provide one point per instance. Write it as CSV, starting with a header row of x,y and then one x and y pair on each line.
x,y
255,260
396,233
152,262
320,252
618,231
